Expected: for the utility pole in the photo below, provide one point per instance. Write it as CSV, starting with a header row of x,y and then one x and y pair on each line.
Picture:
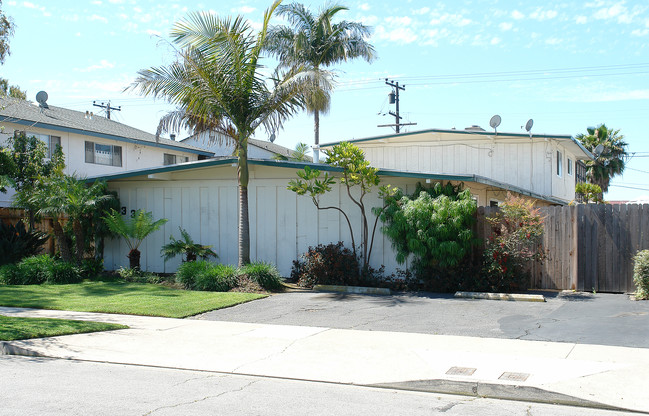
x,y
394,99
107,107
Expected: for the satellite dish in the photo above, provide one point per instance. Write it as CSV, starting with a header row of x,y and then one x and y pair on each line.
x,y
272,137
41,97
528,126
495,122
598,150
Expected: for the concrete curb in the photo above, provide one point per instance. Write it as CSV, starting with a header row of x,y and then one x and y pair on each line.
x,y
353,289
6,348
500,296
496,391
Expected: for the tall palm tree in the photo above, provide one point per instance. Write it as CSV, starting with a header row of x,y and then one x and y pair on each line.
x,y
48,197
219,86
317,43
610,161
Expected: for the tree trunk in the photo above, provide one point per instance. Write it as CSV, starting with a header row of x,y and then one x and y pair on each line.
x,y
79,240
316,131
190,256
244,223
134,259
61,241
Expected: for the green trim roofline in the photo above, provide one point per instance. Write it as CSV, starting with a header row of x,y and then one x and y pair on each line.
x,y
103,136
321,167
478,133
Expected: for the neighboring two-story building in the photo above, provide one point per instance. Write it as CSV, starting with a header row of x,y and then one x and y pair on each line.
x,y
93,145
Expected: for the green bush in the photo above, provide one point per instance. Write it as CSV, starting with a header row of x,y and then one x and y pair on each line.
x,y
16,242
188,271
264,274
36,270
216,278
90,268
64,273
10,274
641,274
330,264
139,276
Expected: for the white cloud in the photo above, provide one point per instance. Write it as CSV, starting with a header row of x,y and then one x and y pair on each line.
x,y
96,17
400,21
78,34
152,32
103,64
11,3
97,2
553,41
451,19
399,35
243,10
29,5
423,10
505,26
640,32
116,1
517,15
581,20
619,12
495,40
364,7
368,20
542,15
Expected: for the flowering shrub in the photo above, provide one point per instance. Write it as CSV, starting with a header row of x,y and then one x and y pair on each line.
x,y
330,264
641,274
517,234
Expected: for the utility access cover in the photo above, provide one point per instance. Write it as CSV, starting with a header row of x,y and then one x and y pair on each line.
x,y
513,376
460,371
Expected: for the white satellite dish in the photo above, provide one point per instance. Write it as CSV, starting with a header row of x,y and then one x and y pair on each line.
x,y
41,97
495,122
272,137
598,150
528,126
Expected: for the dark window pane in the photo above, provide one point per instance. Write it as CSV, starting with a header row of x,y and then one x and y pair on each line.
x,y
117,156
90,152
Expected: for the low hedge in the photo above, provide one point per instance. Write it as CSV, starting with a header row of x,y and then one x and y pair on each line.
x,y
36,270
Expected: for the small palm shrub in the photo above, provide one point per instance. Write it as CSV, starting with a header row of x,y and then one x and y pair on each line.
x,y
16,242
90,268
64,272
186,246
641,274
264,274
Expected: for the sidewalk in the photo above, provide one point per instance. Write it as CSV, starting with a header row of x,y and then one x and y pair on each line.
x,y
579,374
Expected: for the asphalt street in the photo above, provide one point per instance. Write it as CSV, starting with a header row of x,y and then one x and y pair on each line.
x,y
585,318
41,386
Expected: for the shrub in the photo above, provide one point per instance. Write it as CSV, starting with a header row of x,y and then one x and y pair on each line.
x,y
10,274
188,271
138,276
64,272
16,242
90,268
330,264
517,234
264,274
433,225
641,274
36,270
216,278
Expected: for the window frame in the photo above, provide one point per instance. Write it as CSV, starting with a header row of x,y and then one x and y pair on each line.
x,y
116,154
571,170
559,170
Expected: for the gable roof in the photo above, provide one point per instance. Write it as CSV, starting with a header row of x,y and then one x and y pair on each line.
x,y
580,151
62,119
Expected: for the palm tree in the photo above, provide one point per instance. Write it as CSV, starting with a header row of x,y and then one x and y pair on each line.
x,y
299,154
609,159
187,247
218,85
49,198
134,231
316,43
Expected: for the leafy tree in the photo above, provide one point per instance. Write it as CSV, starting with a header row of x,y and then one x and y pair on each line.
x,y
357,174
315,42
187,247
30,163
218,85
13,91
610,161
589,192
6,31
134,231
433,224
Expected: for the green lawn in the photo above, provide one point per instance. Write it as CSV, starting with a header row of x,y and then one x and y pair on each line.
x,y
12,328
120,297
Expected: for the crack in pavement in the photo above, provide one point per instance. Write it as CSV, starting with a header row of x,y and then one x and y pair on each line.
x,y
199,378
203,399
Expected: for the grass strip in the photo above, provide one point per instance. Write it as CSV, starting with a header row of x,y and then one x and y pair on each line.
x,y
120,297
14,328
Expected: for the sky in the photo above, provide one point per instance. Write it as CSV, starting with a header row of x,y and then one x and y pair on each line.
x,y
566,65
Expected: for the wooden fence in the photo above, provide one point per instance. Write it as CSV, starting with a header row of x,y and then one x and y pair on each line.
x,y
12,216
588,246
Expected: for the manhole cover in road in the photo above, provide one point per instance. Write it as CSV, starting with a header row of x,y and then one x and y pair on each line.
x,y
513,376
460,371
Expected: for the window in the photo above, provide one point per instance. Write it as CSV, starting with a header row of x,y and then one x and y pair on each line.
x,y
50,141
493,203
559,164
569,166
103,154
169,159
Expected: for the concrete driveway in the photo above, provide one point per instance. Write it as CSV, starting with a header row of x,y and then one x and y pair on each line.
x,y
584,318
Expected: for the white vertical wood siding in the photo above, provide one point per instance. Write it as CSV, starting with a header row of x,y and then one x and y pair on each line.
x,y
282,224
